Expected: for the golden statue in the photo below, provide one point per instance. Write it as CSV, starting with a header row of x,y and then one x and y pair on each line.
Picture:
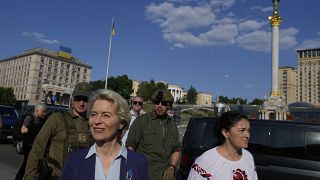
x,y
275,20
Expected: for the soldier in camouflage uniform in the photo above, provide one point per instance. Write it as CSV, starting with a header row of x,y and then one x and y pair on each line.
x,y
62,133
156,136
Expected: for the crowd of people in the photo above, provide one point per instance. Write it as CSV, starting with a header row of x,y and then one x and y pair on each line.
x,y
102,137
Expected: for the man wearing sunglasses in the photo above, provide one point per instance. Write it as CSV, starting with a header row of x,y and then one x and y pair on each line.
x,y
61,134
135,111
155,135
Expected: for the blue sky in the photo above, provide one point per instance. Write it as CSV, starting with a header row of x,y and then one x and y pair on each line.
x,y
222,47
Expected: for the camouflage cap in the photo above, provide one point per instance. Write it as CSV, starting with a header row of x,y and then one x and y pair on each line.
x,y
162,95
82,89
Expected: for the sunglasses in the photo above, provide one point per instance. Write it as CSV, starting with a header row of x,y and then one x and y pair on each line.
x,y
80,98
137,102
163,103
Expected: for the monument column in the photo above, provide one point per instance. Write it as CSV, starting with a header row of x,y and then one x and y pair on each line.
x,y
275,21
274,107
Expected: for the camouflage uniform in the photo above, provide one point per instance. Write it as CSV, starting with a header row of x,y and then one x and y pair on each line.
x,y
54,132
157,139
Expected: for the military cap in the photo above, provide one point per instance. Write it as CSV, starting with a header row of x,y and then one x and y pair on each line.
x,y
162,95
82,89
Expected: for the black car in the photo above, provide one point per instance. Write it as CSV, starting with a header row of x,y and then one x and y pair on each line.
x,y
8,118
198,138
281,149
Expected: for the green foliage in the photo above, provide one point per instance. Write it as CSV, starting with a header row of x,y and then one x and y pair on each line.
x,y
120,84
192,95
146,89
7,97
256,101
98,84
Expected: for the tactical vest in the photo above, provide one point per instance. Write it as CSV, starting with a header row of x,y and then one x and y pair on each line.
x,y
76,138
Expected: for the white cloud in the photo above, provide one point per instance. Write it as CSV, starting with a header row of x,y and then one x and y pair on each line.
x,y
39,37
318,33
263,9
223,3
248,86
221,34
183,39
200,25
287,38
179,19
251,25
255,41
310,44
267,9
226,75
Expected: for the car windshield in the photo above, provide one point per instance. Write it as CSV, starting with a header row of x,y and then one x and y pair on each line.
x,y
7,112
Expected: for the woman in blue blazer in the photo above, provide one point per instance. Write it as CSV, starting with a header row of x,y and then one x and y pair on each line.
x,y
108,114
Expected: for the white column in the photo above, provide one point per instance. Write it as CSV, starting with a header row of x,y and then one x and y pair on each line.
x,y
275,58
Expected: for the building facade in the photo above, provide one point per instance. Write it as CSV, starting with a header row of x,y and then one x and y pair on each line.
x,y
204,99
308,76
287,84
176,92
42,75
302,84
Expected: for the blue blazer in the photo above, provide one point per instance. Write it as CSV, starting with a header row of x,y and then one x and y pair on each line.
x,y
77,167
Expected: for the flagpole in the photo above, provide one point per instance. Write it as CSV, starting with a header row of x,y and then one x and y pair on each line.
x,y
110,43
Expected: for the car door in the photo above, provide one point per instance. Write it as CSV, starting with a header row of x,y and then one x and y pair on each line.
x,y
258,146
289,159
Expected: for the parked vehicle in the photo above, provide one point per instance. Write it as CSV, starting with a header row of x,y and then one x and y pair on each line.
x,y
8,118
30,109
281,149
198,138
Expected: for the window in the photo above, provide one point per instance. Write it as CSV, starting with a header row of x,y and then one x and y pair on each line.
x,y
209,139
257,141
287,141
313,145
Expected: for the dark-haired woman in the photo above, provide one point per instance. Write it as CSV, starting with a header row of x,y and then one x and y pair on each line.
x,y
229,161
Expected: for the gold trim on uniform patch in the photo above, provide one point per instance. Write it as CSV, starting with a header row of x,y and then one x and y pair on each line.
x,y
82,138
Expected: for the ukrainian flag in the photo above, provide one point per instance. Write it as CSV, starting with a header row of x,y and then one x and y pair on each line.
x,y
65,52
113,29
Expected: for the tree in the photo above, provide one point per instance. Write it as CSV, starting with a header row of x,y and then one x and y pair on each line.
x,y
7,96
146,89
256,101
223,99
120,84
192,95
98,84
